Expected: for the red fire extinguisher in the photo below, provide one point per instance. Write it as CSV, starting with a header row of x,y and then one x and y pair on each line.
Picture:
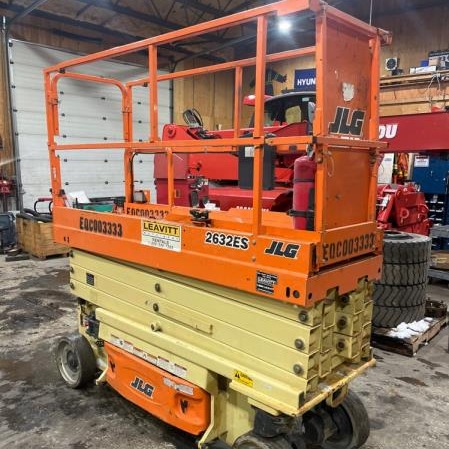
x,y
304,193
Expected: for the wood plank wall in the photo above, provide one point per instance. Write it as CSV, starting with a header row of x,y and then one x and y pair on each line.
x,y
414,35
211,95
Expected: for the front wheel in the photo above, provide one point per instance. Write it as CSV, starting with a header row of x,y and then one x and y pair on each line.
x,y
75,360
352,424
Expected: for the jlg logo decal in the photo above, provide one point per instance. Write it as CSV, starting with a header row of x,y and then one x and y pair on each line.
x,y
142,386
289,250
347,123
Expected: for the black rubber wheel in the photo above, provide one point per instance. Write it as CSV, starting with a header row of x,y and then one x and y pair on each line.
x,y
399,296
398,304
404,274
403,248
393,316
352,421
252,441
75,360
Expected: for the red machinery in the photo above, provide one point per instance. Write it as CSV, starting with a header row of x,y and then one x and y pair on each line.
x,y
6,190
403,208
214,178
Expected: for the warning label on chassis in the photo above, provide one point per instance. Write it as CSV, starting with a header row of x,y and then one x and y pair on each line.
x,y
161,235
265,282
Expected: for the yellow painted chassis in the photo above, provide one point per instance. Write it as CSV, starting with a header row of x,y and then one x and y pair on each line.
x,y
278,357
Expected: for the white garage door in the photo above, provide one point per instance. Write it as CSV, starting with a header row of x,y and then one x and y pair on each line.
x,y
88,112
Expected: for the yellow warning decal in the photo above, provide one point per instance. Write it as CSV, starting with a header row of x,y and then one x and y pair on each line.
x,y
243,378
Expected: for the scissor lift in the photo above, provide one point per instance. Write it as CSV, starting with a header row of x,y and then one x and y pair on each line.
x,y
233,325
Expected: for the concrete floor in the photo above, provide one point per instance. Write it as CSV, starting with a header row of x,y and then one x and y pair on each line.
x,y
407,398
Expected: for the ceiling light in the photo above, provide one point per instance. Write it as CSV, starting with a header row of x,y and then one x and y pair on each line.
x,y
284,25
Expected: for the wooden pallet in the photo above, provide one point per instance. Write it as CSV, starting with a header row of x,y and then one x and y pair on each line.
x,y
36,238
406,346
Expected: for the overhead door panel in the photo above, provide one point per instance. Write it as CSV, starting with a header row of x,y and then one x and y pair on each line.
x,y
88,112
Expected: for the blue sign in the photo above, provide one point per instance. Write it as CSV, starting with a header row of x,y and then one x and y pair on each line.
x,y
305,80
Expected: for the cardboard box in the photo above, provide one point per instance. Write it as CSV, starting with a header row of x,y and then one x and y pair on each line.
x,y
440,260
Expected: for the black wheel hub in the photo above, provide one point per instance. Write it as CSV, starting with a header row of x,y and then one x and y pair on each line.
x,y
72,361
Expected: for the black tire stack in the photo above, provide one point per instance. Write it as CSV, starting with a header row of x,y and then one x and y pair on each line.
x,y
400,295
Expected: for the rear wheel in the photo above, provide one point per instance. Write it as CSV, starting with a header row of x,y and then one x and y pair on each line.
x,y
253,441
352,424
75,360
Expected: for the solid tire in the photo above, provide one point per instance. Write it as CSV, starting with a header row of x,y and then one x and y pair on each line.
x,y
393,316
353,415
394,305
75,360
399,296
404,247
404,274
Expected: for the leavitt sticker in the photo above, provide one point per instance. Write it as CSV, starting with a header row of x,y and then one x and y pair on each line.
x,y
161,235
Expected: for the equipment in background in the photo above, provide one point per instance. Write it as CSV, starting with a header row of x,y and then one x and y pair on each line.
x,y
400,168
400,294
47,207
6,191
402,208
431,174
392,65
7,231
270,77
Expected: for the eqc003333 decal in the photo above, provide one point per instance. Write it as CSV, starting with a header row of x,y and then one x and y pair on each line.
x,y
101,226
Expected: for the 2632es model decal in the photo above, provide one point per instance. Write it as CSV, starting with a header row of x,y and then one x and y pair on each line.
x,y
226,240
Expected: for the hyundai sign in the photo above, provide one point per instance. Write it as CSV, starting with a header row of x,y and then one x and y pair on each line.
x,y
305,80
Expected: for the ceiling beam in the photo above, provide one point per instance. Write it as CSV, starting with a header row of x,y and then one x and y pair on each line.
x,y
99,29
202,7
25,12
410,8
126,11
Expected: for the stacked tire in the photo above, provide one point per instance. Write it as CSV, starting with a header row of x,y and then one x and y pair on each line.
x,y
400,295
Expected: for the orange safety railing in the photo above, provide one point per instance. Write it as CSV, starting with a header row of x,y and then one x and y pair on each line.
x,y
346,54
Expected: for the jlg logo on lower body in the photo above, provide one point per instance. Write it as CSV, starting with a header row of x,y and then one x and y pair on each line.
x,y
289,250
143,387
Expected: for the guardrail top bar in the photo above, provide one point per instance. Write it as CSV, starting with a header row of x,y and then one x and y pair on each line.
x,y
279,8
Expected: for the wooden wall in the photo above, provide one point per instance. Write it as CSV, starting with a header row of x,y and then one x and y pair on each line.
x,y
414,94
415,33
213,95
210,94
6,153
